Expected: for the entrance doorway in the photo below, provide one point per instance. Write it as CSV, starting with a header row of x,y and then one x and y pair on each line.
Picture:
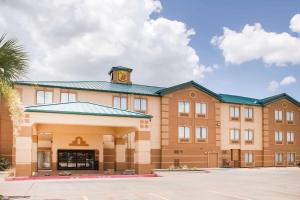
x,y
44,160
235,157
76,160
212,160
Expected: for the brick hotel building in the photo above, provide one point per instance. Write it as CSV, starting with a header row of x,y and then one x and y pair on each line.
x,y
98,125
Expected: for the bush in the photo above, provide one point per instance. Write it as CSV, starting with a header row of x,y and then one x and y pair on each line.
x,y
4,163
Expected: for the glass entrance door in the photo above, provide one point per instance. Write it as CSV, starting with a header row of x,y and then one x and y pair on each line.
x,y
44,160
76,159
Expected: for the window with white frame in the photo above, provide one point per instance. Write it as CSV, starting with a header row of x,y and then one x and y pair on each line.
x,y
290,137
278,115
278,136
140,104
290,116
120,103
183,107
234,134
234,112
184,132
279,157
248,158
66,97
290,157
201,133
248,113
44,97
201,108
248,135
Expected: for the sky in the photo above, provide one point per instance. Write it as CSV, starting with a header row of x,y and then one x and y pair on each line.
x,y
247,48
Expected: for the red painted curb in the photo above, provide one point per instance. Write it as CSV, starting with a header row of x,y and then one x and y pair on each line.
x,y
28,178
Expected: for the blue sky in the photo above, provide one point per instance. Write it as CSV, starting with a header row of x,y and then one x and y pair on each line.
x,y
207,17
81,40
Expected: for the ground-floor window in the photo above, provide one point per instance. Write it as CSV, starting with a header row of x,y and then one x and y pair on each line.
x,y
76,159
279,157
291,157
248,158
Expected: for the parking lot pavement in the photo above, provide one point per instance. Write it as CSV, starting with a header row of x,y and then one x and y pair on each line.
x,y
233,184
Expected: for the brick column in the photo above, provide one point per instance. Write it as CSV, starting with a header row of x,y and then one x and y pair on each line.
x,y
23,144
142,155
120,154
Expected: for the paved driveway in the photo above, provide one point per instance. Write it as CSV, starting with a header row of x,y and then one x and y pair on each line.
x,y
233,184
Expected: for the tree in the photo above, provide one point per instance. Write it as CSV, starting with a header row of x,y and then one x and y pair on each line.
x,y
13,65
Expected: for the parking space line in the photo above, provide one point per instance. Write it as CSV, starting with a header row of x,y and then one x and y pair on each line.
x,y
229,195
158,196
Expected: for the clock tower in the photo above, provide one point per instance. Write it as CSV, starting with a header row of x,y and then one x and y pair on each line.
x,y
120,74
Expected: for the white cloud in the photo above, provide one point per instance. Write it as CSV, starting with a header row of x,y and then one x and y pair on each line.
x,y
254,43
295,23
81,40
274,85
288,80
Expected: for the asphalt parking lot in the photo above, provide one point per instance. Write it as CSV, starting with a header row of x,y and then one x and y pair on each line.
x,y
234,184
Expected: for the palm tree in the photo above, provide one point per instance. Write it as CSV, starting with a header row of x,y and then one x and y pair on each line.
x,y
13,60
13,65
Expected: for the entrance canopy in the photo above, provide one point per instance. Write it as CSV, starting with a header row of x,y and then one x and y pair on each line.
x,y
84,108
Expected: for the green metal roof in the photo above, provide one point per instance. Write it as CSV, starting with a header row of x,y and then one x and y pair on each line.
x,y
185,85
274,98
119,68
97,86
239,99
84,108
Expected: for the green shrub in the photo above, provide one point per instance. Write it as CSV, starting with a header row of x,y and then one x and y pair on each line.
x,y
4,163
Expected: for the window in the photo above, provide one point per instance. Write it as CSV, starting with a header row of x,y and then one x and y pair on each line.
x,y
248,135
290,137
291,157
278,115
279,157
278,137
44,97
290,117
66,97
234,135
184,133
234,112
201,133
248,158
184,107
249,113
120,103
201,109
140,104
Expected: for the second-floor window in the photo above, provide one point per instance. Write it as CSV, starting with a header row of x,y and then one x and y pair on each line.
x,y
201,133
278,115
140,104
248,113
278,137
248,135
44,97
290,137
201,109
234,112
120,103
184,133
66,97
183,107
234,135
290,117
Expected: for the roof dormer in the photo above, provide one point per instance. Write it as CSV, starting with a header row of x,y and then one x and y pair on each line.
x,y
120,74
